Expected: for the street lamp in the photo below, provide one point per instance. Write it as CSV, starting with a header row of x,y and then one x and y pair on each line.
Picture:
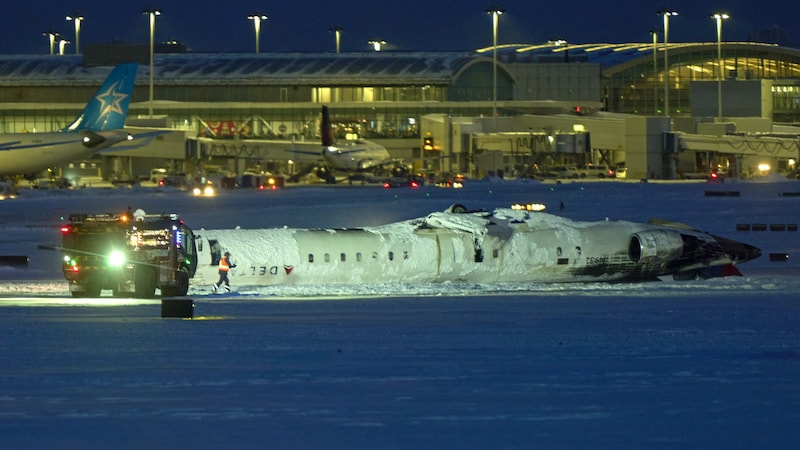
x,y
654,33
337,30
152,12
52,35
377,44
666,15
718,18
62,43
257,17
77,18
495,12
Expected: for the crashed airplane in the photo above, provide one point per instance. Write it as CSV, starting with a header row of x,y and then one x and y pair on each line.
x,y
506,245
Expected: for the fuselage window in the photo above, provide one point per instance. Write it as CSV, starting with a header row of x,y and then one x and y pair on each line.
x,y
327,257
391,256
558,251
358,256
495,253
311,257
342,257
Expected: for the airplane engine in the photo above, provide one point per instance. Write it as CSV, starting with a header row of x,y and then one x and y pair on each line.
x,y
91,139
655,246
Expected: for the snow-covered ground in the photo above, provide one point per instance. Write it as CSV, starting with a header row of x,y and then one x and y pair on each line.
x,y
701,364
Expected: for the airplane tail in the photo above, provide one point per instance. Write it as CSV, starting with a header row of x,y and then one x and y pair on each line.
x,y
108,108
326,129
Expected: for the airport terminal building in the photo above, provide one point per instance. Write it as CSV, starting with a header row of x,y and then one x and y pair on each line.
x,y
234,107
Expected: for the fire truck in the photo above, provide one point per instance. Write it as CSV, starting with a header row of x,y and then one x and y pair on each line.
x,y
130,254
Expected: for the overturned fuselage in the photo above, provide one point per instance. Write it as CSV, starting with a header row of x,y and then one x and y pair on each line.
x,y
482,247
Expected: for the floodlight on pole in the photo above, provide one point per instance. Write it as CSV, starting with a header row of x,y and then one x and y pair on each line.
x,y
495,12
337,31
718,18
666,15
152,12
257,17
52,35
77,19
62,44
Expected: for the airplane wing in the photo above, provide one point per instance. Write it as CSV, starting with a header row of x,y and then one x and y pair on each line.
x,y
302,152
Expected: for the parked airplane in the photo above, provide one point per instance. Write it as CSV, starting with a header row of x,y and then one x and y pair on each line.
x,y
507,245
99,126
352,157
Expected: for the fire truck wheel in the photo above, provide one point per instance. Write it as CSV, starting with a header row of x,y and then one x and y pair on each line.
x,y
145,282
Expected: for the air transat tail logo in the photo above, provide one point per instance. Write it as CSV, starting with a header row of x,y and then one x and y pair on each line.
x,y
110,100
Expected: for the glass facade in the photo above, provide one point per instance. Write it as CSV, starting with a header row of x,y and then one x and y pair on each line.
x,y
639,88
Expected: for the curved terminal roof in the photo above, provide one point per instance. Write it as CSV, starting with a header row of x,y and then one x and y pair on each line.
x,y
617,56
280,68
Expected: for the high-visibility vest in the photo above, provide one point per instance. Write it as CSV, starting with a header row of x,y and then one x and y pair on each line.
x,y
223,264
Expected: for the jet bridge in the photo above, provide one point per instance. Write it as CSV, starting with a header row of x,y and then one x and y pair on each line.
x,y
773,146
739,150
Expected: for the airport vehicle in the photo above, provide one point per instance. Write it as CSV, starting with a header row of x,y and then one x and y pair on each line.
x,y
506,245
566,172
97,127
131,254
597,171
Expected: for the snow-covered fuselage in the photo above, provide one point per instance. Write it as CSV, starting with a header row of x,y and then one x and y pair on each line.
x,y
503,246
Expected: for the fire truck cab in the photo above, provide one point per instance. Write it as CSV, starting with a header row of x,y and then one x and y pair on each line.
x,y
130,254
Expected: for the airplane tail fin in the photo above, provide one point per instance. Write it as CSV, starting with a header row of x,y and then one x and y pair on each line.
x,y
108,108
326,129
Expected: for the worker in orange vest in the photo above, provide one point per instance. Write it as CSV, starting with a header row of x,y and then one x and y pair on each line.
x,y
225,266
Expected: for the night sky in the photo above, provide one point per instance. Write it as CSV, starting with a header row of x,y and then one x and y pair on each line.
x,y
432,25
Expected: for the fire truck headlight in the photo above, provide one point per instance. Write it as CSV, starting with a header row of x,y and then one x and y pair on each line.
x,y
116,259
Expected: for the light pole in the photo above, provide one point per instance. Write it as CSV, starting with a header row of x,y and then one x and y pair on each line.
x,y
257,17
62,43
654,33
152,12
495,12
337,30
718,18
52,35
666,15
77,18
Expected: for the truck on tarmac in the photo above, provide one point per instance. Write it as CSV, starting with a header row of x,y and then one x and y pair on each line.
x,y
131,254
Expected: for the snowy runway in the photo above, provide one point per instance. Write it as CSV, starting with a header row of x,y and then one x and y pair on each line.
x,y
506,371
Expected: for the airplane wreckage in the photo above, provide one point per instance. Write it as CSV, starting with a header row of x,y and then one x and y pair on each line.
x,y
505,245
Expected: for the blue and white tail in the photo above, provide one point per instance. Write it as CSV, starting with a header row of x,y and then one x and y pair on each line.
x,y
108,108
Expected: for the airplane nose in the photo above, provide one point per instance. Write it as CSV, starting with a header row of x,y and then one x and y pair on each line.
x,y
738,251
